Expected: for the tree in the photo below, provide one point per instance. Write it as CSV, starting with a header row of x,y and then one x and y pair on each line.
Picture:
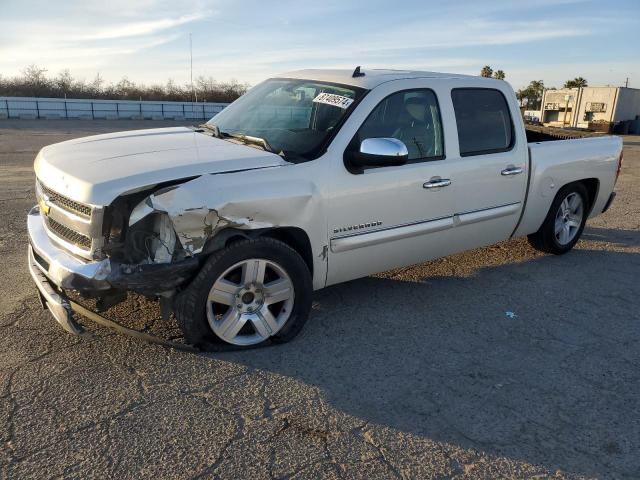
x,y
499,75
208,88
531,96
172,90
486,71
34,75
34,82
96,85
125,89
64,81
575,83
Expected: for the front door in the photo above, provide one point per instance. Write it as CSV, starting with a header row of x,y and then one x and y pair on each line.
x,y
387,217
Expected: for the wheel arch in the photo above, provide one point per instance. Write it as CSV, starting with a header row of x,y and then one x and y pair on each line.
x,y
294,237
538,204
593,186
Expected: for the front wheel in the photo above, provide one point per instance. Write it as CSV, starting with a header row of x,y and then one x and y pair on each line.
x,y
252,292
565,221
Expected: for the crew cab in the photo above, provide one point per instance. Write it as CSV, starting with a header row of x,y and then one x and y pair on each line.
x,y
312,178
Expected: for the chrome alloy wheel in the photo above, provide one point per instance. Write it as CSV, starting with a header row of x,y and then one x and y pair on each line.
x,y
569,218
250,301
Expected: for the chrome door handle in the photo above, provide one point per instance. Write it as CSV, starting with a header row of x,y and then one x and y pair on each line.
x,y
437,183
511,171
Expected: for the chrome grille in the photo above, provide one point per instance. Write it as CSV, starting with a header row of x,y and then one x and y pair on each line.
x,y
65,202
76,226
69,235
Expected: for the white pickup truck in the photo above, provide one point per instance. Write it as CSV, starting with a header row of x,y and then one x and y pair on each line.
x,y
312,178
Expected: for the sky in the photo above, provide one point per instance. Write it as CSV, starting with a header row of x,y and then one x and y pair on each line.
x,y
148,40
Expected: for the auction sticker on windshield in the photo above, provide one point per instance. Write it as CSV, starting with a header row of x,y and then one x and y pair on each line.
x,y
333,99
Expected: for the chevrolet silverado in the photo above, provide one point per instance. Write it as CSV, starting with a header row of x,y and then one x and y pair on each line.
x,y
312,178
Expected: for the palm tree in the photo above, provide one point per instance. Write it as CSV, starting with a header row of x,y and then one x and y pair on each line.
x,y
537,86
486,71
576,83
531,96
499,75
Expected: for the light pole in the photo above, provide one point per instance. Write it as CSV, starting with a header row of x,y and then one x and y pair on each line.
x,y
193,91
566,108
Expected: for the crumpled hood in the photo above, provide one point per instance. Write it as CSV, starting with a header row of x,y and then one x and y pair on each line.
x,y
97,169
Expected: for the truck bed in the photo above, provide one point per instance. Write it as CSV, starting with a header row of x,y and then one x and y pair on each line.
x,y
538,133
557,163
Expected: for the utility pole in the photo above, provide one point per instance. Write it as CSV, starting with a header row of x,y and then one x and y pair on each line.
x,y
193,91
626,82
191,63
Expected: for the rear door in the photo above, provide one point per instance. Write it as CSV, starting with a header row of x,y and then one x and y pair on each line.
x,y
491,161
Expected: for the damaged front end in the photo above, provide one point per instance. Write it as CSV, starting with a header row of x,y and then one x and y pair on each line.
x,y
155,239
144,250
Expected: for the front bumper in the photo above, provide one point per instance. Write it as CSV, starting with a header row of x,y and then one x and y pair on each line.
x,y
60,267
62,310
51,300
52,269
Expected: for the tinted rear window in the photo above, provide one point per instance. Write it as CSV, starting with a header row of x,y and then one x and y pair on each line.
x,y
483,120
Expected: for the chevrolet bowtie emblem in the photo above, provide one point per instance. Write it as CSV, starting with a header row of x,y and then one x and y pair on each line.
x,y
44,208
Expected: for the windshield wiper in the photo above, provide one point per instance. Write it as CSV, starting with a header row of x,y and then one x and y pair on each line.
x,y
213,128
248,139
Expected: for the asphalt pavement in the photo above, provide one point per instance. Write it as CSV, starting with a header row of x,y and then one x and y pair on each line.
x,y
495,363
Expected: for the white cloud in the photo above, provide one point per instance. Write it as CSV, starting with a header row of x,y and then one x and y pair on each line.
x,y
147,39
93,35
136,29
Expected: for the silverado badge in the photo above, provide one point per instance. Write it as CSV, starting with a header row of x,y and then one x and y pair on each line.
x,y
360,226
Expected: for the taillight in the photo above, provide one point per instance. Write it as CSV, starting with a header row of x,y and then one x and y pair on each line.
x,y
619,168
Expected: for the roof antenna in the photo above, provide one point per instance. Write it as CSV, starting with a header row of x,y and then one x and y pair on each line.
x,y
357,72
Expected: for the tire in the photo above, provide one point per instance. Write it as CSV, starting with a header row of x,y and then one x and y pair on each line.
x,y
550,238
232,275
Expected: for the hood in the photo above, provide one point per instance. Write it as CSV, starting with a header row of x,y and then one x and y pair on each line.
x,y
97,169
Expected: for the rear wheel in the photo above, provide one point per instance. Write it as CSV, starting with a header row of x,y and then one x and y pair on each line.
x,y
253,292
565,221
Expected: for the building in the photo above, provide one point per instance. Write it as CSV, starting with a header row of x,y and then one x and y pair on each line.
x,y
595,108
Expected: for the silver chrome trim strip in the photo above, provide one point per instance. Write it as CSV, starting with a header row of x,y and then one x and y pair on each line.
x,y
383,229
352,241
475,216
366,239
70,220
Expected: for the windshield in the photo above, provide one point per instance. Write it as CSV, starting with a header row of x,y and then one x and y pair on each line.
x,y
294,118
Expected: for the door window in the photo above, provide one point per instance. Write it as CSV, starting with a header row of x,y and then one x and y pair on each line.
x,y
483,120
411,116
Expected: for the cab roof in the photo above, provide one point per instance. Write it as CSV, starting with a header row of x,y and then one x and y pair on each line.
x,y
371,78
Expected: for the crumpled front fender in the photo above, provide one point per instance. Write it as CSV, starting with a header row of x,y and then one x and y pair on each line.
x,y
246,200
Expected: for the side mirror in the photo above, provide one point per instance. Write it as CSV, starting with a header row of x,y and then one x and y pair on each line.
x,y
380,152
